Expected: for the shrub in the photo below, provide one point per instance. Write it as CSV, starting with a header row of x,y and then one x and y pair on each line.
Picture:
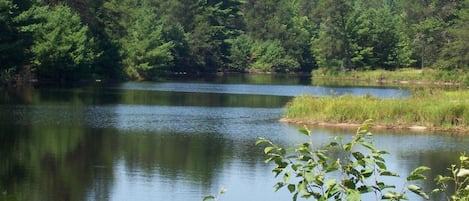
x,y
340,171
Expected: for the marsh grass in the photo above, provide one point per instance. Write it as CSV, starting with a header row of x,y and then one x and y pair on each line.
x,y
439,110
426,76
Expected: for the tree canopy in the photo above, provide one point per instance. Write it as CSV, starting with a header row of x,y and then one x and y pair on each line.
x,y
144,39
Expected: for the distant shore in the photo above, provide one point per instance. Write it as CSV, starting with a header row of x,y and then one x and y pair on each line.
x,y
405,76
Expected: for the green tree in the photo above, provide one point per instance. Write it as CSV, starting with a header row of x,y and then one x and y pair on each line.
x,y
241,54
215,24
270,56
455,53
426,23
11,44
375,36
143,49
282,20
61,47
331,46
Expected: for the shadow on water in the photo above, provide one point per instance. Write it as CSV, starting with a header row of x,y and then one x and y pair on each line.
x,y
146,141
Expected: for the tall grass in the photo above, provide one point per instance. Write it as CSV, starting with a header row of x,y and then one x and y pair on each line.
x,y
438,110
399,76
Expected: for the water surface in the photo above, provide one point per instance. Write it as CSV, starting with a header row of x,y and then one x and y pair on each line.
x,y
174,140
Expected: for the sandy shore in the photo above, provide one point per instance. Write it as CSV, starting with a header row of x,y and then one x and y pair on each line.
x,y
375,126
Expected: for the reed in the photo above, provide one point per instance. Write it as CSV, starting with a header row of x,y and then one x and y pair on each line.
x,y
439,110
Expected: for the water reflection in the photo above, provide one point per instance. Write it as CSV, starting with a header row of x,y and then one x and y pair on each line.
x,y
271,90
127,142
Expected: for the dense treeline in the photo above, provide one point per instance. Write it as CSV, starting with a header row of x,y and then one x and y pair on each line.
x,y
141,39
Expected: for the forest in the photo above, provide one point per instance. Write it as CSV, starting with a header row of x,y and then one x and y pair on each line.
x,y
65,40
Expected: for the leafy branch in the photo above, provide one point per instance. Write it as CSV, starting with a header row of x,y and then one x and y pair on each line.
x,y
340,171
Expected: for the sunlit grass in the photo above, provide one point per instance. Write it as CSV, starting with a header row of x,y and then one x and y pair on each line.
x,y
435,110
399,76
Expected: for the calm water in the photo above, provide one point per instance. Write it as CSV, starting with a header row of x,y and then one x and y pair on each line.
x,y
175,140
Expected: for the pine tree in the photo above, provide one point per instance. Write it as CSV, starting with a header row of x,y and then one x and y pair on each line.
x,y
61,47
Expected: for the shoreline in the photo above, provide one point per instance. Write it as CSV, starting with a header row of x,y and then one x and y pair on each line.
x,y
385,82
353,125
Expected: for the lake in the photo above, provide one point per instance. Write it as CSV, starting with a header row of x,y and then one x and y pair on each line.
x,y
178,139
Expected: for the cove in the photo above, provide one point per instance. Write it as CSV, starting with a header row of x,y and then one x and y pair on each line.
x,y
178,139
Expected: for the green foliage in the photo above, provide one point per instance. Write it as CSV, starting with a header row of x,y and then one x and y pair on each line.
x,y
61,48
332,45
107,38
214,25
8,42
455,186
339,171
11,44
241,55
6,76
217,197
143,49
426,24
455,54
260,56
270,56
280,23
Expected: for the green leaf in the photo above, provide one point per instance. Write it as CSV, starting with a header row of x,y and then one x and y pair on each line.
x,y
382,186
442,179
381,152
418,190
262,140
268,149
368,145
416,177
302,187
463,157
347,147
389,173
462,172
416,174
295,196
309,176
321,156
295,166
368,161
437,190
348,183
420,170
378,158
365,189
330,183
358,155
381,165
366,172
333,144
305,131
291,188
268,159
278,186
388,196
286,177
353,195
414,188
210,197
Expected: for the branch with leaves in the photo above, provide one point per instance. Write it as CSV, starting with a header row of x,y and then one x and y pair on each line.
x,y
340,171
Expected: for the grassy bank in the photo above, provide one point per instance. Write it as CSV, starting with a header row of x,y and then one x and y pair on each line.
x,y
401,76
438,110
